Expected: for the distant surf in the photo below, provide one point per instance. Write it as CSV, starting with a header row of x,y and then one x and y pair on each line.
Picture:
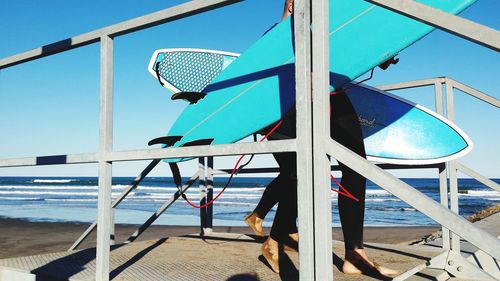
x,y
75,200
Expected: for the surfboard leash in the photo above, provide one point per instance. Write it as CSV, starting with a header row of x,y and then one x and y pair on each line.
x,y
235,170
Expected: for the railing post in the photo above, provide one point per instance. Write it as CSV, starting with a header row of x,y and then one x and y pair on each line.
x,y
443,195
203,194
105,168
302,27
321,133
443,179
312,132
452,170
210,194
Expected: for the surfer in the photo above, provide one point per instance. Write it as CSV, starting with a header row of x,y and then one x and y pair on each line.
x,y
345,129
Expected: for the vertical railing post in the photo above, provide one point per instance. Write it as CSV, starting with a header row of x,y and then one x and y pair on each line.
x,y
302,26
452,171
312,132
203,194
105,167
210,194
443,179
321,133
443,195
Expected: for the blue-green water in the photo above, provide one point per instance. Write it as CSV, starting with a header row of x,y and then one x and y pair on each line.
x,y
74,199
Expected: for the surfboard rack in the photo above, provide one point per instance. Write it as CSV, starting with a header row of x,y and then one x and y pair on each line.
x,y
169,141
191,97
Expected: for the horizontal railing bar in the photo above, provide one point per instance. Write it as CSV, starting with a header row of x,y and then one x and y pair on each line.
x,y
204,150
151,154
475,175
469,30
170,14
333,168
478,237
411,84
50,160
475,93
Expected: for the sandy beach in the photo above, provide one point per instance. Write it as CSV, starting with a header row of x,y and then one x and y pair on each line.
x,y
23,238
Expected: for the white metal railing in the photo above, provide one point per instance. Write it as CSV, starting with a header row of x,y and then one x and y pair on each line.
x,y
314,204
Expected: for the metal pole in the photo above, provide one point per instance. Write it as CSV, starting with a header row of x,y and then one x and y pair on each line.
x,y
210,195
302,27
203,194
452,171
321,163
469,30
105,168
443,195
443,180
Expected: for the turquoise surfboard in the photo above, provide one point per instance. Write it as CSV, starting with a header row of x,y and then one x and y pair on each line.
x,y
395,130
258,87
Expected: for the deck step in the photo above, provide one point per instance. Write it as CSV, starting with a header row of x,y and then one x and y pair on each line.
x,y
430,274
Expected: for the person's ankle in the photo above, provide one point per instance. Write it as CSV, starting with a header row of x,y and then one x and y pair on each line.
x,y
255,223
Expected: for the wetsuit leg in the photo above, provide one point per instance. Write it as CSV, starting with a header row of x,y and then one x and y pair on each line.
x,y
285,220
269,198
345,128
272,192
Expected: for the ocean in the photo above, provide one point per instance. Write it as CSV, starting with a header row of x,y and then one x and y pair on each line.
x,y
74,199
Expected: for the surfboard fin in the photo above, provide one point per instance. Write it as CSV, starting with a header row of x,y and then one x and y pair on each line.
x,y
169,141
388,63
191,97
198,142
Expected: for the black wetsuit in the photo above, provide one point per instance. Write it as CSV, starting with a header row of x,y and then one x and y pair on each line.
x,y
344,128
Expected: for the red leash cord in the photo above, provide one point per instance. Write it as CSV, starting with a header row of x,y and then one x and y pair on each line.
x,y
235,168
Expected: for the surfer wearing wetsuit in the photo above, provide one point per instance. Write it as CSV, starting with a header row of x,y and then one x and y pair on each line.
x,y
345,129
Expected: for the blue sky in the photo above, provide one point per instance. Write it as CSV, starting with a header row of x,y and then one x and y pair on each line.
x,y
50,106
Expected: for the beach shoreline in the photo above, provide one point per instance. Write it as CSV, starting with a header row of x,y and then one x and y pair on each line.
x,y
24,238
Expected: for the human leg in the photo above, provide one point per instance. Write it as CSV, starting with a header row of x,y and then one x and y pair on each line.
x,y
346,130
285,221
270,197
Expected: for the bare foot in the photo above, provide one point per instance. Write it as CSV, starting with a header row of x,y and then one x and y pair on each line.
x,y
293,242
255,223
357,262
271,251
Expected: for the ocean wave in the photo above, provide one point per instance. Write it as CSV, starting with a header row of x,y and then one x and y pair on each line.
x,y
393,209
377,192
381,199
479,193
53,180
71,200
228,203
22,199
49,187
52,193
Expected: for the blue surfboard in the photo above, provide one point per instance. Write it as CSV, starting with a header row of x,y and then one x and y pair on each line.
x,y
395,130
258,87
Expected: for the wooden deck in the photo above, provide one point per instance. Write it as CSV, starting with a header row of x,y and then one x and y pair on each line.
x,y
221,256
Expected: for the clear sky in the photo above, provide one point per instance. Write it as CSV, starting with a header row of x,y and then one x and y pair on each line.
x,y
51,106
